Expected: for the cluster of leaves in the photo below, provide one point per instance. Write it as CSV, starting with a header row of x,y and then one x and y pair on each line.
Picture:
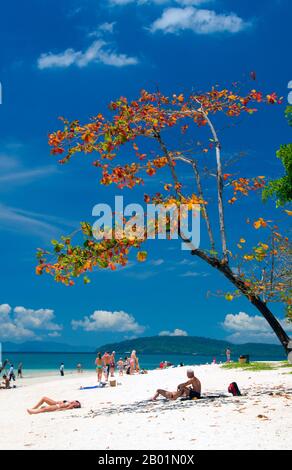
x,y
242,186
66,261
145,117
281,188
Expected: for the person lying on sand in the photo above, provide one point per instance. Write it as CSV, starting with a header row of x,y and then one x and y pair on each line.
x,y
5,383
52,405
189,389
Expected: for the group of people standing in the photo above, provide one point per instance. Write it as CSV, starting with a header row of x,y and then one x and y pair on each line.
x,y
106,365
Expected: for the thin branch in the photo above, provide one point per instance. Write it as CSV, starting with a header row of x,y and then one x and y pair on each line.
x,y
219,183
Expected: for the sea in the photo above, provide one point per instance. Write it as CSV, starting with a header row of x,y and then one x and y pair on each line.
x,y
43,364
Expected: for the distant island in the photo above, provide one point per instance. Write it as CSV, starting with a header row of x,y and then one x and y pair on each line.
x,y
177,345
191,345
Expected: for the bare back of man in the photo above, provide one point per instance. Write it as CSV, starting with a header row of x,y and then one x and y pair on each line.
x,y
189,389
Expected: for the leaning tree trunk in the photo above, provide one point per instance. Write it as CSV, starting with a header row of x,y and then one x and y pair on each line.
x,y
253,298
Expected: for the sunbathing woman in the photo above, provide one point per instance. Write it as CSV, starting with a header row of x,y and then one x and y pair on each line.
x,y
53,405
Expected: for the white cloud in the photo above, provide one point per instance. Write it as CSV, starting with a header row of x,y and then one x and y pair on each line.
x,y
158,2
200,21
175,332
107,27
41,319
102,320
98,52
23,323
247,328
5,309
54,334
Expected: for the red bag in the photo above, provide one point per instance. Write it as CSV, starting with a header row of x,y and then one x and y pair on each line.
x,y
233,388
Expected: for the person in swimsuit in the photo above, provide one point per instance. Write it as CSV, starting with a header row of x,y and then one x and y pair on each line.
x,y
121,366
52,405
19,370
5,383
106,364
132,362
98,363
190,389
112,364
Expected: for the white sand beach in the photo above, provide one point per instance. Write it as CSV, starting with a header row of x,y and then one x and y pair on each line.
x,y
124,417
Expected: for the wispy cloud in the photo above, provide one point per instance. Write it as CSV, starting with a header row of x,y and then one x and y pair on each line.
x,y
157,262
193,274
26,176
103,29
98,52
17,220
158,2
142,275
12,172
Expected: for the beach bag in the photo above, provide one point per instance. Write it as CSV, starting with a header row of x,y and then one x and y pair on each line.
x,y
234,390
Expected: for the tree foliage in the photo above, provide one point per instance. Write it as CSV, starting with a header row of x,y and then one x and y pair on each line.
x,y
281,188
168,124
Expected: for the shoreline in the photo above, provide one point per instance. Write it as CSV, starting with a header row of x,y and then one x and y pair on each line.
x,y
31,376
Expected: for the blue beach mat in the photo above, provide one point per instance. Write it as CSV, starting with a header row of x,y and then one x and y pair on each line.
x,y
100,385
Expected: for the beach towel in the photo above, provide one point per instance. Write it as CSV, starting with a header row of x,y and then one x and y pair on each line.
x,y
100,385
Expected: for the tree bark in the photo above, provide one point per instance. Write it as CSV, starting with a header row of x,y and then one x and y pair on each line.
x,y
204,210
254,299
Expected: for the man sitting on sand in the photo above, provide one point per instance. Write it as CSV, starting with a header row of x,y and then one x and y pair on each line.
x,y
190,389
53,405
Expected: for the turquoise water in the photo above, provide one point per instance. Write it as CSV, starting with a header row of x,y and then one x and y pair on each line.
x,y
44,363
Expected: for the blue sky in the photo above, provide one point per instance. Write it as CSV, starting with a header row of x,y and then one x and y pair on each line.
x,y
71,58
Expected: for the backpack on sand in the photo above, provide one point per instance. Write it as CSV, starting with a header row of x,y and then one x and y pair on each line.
x,y
233,388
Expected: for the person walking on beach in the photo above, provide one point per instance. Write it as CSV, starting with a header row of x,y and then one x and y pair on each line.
x,y
62,369
79,368
137,365
228,355
11,375
19,370
98,365
112,364
47,404
133,362
127,364
106,364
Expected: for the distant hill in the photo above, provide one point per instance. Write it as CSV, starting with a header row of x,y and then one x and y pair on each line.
x,y
42,346
192,345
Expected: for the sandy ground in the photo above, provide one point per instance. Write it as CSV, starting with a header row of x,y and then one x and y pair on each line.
x,y
125,418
